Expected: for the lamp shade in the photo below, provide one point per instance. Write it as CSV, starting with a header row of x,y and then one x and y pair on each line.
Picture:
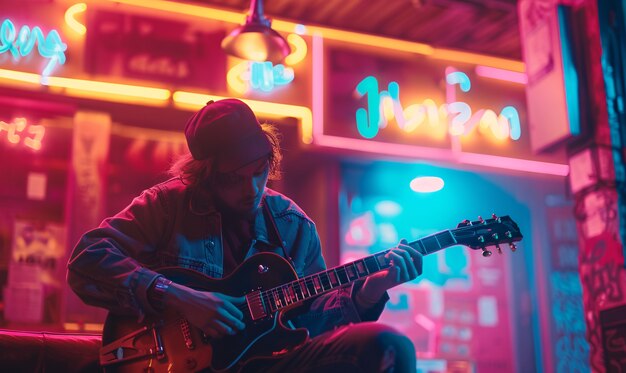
x,y
255,40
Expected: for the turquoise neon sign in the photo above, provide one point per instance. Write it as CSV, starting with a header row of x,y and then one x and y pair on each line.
x,y
264,76
385,105
22,43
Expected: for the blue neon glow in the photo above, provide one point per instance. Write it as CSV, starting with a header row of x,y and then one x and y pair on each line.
x,y
570,75
460,78
388,233
388,208
512,116
265,76
368,127
370,120
22,43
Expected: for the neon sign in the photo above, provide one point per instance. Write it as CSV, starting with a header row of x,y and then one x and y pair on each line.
x,y
70,13
263,76
383,106
32,135
22,43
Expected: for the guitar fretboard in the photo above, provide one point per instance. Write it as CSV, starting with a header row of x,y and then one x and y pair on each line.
x,y
313,285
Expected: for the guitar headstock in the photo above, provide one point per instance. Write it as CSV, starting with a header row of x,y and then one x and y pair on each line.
x,y
488,232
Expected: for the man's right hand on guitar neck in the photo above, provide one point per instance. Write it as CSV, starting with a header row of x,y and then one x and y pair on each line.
x,y
214,313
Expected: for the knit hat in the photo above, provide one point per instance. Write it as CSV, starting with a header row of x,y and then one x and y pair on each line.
x,y
229,131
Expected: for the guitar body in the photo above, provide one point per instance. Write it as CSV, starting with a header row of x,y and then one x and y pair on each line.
x,y
134,347
168,343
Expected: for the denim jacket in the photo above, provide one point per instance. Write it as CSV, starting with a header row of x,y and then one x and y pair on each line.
x,y
170,224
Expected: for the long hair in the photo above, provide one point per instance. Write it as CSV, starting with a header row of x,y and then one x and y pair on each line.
x,y
193,172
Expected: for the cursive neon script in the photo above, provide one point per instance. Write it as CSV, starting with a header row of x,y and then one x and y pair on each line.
x,y
22,43
385,105
265,76
20,131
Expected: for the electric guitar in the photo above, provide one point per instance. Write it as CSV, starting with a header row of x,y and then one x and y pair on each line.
x,y
168,343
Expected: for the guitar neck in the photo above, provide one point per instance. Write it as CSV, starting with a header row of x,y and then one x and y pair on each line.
x,y
322,282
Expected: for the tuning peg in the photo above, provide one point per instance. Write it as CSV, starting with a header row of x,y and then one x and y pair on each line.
x,y
499,249
513,247
464,223
495,217
486,252
495,236
481,239
480,219
508,234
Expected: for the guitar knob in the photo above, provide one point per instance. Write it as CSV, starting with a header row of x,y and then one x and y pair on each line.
x,y
513,247
263,269
191,363
499,249
486,253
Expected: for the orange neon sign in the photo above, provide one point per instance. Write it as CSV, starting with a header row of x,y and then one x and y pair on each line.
x,y
19,131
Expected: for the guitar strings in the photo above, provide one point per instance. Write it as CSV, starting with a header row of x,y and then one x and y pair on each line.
x,y
283,298
267,295
286,295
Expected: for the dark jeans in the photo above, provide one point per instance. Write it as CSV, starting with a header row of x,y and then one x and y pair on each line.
x,y
364,347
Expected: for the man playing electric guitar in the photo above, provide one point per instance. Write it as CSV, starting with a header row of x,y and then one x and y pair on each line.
x,y
213,215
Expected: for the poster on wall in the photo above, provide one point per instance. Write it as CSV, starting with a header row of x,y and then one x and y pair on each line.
x,y
36,272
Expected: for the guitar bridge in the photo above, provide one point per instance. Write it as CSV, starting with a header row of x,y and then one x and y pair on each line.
x,y
117,351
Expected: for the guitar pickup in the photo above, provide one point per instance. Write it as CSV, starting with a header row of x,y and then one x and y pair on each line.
x,y
255,305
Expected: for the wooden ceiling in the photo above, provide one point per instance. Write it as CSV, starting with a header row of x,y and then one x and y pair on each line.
x,y
482,26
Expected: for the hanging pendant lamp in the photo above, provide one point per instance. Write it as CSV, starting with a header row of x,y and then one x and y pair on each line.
x,y
255,40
